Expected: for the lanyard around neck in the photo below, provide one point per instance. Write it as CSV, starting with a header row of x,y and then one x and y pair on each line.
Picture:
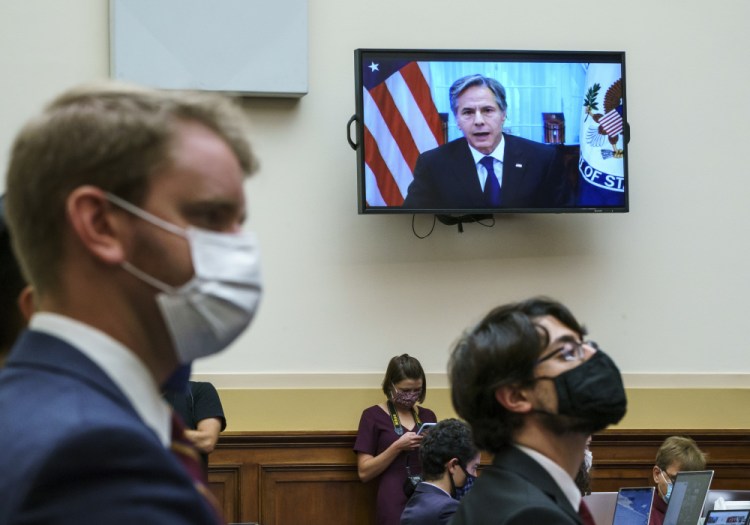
x,y
397,422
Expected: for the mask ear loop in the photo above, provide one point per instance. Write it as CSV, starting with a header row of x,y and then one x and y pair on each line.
x,y
148,279
156,221
146,216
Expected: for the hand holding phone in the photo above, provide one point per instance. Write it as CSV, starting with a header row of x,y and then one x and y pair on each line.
x,y
424,428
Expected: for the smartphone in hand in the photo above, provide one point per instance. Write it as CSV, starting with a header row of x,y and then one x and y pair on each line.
x,y
424,428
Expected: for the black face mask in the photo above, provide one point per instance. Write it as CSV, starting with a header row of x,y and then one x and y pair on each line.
x,y
592,394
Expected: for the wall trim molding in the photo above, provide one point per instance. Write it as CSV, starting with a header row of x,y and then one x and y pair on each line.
x,y
349,380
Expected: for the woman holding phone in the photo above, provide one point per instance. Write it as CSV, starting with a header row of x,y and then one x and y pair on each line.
x,y
387,440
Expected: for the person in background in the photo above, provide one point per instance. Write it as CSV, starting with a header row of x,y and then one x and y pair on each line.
x,y
200,408
15,296
449,459
533,390
583,478
125,207
675,454
387,440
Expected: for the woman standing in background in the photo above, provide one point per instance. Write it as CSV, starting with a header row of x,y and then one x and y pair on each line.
x,y
387,436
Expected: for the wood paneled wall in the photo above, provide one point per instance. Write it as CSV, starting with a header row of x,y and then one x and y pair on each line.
x,y
311,478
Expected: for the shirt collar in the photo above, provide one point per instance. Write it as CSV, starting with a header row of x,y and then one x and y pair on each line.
x,y
439,488
564,481
498,153
119,363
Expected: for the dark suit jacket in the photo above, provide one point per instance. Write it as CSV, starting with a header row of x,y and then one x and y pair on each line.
x,y
515,490
428,506
446,178
74,451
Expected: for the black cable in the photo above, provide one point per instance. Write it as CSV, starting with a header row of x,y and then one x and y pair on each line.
x,y
414,231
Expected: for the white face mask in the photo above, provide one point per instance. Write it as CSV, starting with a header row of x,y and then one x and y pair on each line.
x,y
588,459
214,307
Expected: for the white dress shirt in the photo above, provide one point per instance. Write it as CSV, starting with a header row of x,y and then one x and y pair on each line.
x,y
561,477
498,155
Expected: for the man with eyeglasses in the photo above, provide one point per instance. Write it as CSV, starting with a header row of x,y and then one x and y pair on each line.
x,y
676,453
532,391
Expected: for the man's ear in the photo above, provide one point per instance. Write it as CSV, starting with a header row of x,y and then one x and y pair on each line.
x,y
451,465
26,302
656,471
513,398
94,223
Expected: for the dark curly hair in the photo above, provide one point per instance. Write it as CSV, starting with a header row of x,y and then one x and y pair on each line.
x,y
501,350
448,439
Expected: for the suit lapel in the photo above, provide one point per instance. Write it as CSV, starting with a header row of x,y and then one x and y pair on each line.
x,y
464,173
520,463
514,166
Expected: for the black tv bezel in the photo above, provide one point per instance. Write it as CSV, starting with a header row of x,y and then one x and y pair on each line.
x,y
482,55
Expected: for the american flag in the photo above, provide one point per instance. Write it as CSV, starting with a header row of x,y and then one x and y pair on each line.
x,y
401,121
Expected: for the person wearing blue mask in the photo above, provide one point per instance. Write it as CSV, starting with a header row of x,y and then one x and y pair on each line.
x,y
675,454
449,462
125,207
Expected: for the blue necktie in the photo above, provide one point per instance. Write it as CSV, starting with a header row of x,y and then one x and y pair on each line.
x,y
491,186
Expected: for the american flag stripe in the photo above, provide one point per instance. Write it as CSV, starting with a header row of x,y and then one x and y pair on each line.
x,y
394,106
401,121
384,146
611,123
387,191
419,89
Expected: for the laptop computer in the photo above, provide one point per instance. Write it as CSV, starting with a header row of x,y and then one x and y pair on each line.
x,y
601,506
688,496
726,495
722,517
633,506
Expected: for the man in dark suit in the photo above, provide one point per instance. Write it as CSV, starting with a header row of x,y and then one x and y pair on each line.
x,y
532,391
449,460
122,204
486,169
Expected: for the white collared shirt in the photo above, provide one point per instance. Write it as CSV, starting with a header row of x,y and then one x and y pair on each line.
x,y
439,488
562,478
122,366
498,156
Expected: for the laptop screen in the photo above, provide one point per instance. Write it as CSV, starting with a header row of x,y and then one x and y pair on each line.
x,y
633,506
601,506
722,517
688,496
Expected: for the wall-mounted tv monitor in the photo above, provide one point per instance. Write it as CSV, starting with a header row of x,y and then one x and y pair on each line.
x,y
460,132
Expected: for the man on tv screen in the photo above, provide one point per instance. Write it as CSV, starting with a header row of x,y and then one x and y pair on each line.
x,y
486,168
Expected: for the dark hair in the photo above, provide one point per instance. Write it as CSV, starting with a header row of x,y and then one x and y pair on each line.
x,y
403,367
448,439
464,83
11,320
501,350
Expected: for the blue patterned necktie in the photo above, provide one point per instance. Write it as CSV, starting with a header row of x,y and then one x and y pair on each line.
x,y
491,186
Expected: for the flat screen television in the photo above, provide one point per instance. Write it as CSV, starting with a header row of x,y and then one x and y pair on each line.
x,y
432,127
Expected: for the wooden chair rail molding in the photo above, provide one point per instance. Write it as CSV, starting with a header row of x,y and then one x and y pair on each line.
x,y
287,478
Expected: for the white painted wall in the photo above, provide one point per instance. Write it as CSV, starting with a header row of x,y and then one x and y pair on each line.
x,y
663,288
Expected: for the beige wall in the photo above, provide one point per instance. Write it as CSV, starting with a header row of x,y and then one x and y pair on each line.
x,y
663,288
